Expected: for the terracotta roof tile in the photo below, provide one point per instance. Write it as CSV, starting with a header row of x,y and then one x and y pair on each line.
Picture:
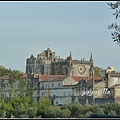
x,y
52,77
6,77
62,77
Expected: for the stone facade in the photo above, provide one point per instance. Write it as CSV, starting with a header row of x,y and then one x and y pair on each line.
x,y
112,78
62,89
47,63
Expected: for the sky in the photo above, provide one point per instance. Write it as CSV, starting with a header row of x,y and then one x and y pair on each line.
x,y
28,28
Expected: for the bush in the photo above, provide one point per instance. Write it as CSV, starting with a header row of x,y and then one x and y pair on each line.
x,y
43,104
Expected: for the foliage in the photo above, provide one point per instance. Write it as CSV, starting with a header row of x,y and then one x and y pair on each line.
x,y
97,71
76,109
43,104
66,113
53,112
32,112
17,84
4,71
115,26
22,105
56,112
27,108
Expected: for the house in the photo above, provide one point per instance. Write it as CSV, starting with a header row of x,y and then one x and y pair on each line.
x,y
115,92
62,89
110,86
57,88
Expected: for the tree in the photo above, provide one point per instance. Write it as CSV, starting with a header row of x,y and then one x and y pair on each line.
x,y
76,109
43,104
57,112
114,26
53,112
97,71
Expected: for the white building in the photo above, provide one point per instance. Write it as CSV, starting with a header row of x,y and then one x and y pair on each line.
x,y
60,89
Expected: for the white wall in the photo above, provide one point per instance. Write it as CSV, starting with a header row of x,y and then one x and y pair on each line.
x,y
62,100
51,84
56,92
114,80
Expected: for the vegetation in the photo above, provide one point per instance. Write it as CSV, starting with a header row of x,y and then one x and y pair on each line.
x,y
22,105
97,71
115,26
25,108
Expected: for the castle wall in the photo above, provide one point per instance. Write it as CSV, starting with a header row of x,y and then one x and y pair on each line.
x,y
42,64
76,70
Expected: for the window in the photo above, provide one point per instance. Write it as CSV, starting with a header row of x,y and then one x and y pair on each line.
x,y
46,85
76,90
56,102
52,84
42,87
38,92
58,84
64,93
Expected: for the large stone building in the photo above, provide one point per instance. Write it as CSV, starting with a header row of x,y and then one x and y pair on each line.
x,y
47,63
62,89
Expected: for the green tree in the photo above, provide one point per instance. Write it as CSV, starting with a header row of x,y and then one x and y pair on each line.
x,y
20,111
115,26
6,108
43,104
97,71
76,109
96,109
57,112
53,112
66,113
19,85
32,111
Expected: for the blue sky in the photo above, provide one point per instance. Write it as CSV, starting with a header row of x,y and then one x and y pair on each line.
x,y
80,27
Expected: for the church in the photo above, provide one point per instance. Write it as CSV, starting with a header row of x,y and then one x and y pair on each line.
x,y
47,63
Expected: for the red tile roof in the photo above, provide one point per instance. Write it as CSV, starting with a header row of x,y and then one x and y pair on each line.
x,y
62,77
53,77
25,75
6,77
